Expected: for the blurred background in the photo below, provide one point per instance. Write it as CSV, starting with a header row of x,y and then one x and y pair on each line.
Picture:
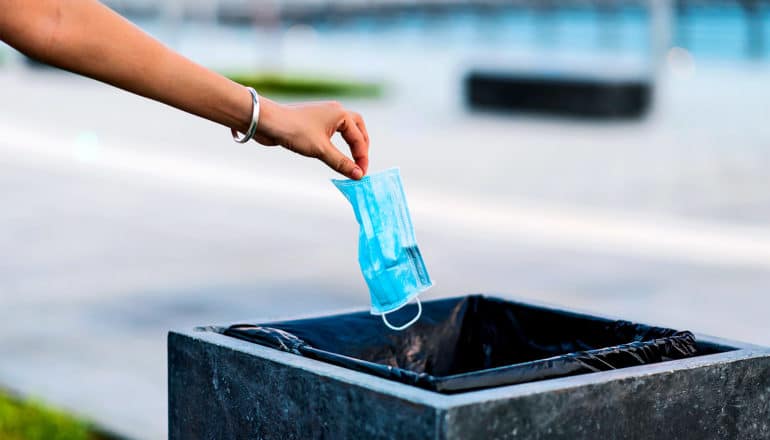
x,y
606,155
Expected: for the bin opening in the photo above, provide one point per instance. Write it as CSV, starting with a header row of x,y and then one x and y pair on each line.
x,y
474,342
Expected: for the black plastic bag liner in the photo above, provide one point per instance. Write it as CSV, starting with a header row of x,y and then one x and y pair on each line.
x,y
474,342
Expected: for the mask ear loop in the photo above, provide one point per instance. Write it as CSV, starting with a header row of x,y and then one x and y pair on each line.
x,y
402,327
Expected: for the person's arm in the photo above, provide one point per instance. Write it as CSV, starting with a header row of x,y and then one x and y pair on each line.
x,y
88,38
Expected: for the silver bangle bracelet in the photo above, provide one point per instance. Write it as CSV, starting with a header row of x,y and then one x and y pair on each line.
x,y
254,119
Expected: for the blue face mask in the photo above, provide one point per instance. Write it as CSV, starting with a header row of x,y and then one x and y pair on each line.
x,y
387,250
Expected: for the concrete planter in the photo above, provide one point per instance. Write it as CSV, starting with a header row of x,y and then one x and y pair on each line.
x,y
225,388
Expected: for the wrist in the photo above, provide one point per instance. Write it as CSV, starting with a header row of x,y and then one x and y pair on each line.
x,y
252,129
269,118
244,108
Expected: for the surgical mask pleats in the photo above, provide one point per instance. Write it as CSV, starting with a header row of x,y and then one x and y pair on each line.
x,y
390,259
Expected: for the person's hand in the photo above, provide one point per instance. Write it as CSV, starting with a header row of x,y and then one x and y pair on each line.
x,y
307,129
68,34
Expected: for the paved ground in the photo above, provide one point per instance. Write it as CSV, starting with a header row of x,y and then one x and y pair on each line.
x,y
122,219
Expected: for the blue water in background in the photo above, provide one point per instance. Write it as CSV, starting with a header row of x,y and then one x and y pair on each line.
x,y
579,29
383,45
711,32
714,32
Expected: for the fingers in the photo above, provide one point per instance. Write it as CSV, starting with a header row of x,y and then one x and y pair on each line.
x,y
361,126
308,127
357,138
341,163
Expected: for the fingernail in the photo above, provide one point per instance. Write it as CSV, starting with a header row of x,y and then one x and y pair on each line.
x,y
357,173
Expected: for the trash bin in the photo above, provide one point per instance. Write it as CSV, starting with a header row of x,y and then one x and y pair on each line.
x,y
474,342
472,367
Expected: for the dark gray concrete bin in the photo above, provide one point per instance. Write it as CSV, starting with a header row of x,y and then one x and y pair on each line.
x,y
226,388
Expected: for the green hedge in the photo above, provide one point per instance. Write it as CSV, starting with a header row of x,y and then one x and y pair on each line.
x,y
35,421
295,85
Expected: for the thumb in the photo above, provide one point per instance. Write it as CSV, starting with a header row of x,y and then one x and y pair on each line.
x,y
341,163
